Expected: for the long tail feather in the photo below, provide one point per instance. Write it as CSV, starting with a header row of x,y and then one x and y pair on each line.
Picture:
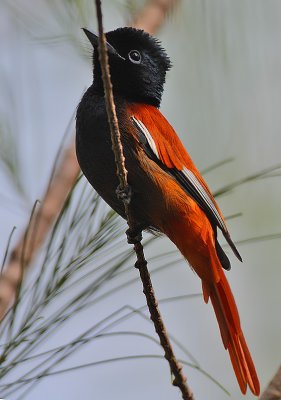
x,y
199,248
232,336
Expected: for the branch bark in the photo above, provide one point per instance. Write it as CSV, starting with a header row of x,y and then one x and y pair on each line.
x,y
273,390
149,18
124,189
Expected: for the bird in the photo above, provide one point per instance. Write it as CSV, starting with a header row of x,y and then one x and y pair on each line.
x,y
169,195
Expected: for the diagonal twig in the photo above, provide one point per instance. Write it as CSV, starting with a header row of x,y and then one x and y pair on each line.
x,y
124,189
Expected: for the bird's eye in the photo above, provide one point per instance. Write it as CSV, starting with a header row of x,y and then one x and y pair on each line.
x,y
135,56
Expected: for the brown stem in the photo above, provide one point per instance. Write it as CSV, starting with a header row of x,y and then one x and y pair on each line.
x,y
149,18
141,264
273,390
65,176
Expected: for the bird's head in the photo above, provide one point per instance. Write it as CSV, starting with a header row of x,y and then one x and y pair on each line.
x,y
138,64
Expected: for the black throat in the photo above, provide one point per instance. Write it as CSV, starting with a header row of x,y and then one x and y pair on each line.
x,y
130,92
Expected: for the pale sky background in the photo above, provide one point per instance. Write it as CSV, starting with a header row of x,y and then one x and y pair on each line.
x,y
223,97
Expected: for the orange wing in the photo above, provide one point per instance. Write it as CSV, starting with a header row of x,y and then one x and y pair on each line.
x,y
162,143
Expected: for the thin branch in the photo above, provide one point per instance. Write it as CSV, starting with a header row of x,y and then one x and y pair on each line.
x,y
125,193
273,390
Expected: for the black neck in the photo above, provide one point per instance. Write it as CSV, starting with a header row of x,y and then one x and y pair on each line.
x,y
98,88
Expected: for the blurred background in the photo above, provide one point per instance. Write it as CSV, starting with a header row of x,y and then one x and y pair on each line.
x,y
223,97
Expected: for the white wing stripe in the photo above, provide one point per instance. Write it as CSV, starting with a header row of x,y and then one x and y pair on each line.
x,y
148,136
192,178
187,173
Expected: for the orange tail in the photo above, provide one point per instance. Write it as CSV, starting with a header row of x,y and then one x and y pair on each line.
x,y
232,336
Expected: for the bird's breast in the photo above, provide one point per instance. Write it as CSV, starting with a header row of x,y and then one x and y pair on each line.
x,y
93,148
96,158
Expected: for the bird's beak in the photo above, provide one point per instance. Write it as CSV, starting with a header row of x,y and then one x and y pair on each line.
x,y
94,39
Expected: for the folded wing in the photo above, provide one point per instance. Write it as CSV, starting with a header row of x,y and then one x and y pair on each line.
x,y
161,144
